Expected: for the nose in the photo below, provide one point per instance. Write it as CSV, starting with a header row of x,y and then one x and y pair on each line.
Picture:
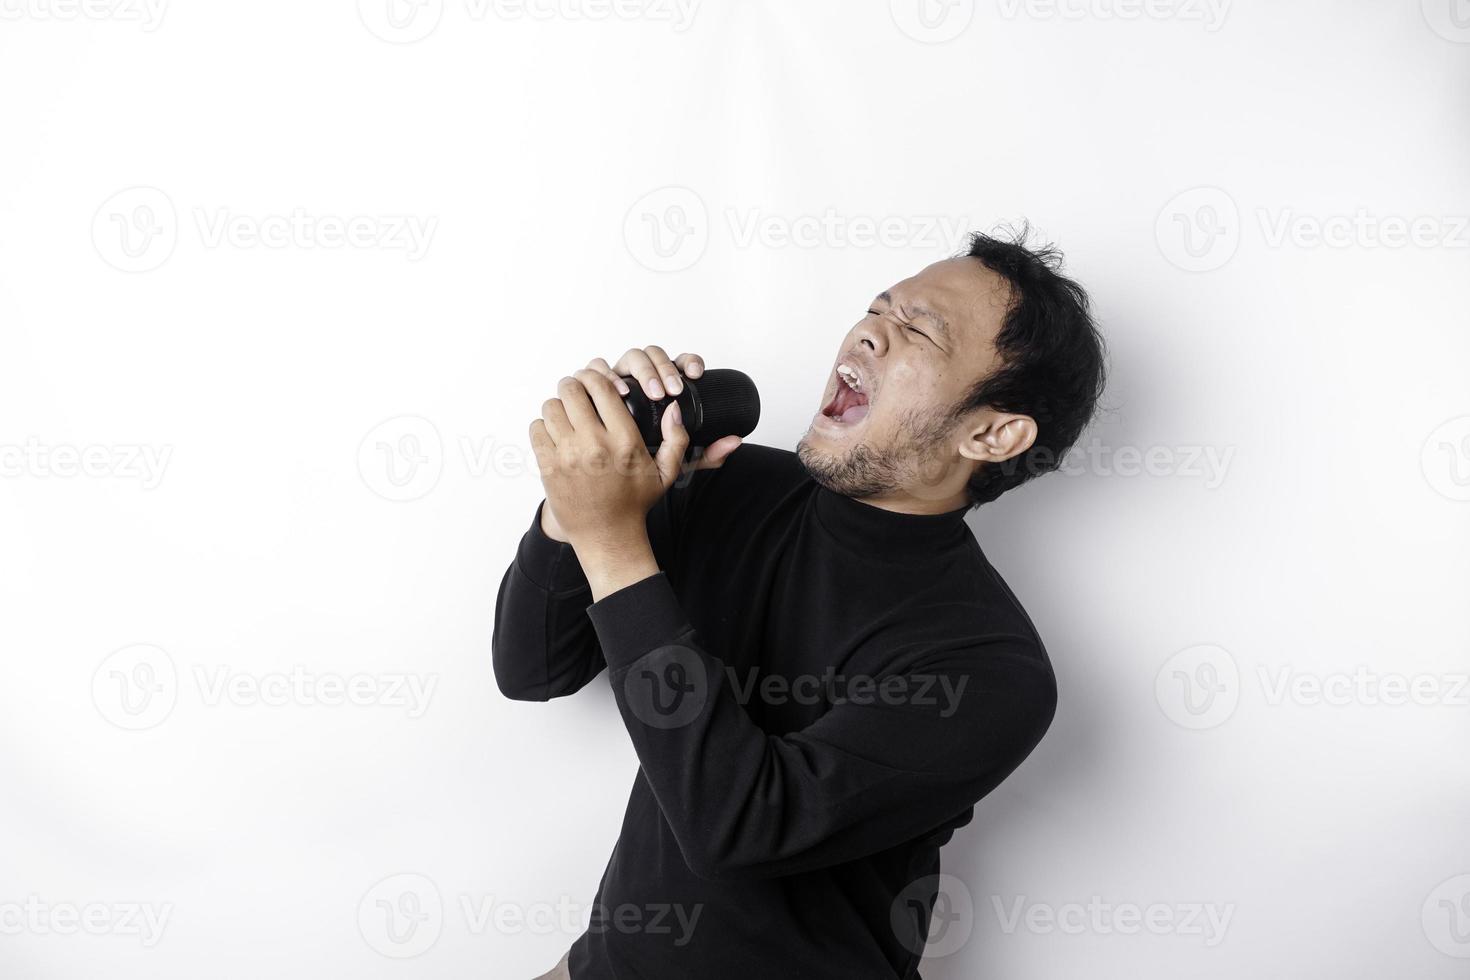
x,y
872,335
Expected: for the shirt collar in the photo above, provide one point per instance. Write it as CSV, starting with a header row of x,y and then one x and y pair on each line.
x,y
878,533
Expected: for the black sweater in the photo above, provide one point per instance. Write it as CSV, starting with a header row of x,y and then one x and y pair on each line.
x,y
818,691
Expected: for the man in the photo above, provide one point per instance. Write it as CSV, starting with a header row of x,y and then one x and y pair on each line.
x,y
817,666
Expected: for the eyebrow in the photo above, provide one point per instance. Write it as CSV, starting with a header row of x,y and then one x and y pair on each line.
x,y
920,312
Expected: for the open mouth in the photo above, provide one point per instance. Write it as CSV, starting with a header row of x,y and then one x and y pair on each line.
x,y
850,403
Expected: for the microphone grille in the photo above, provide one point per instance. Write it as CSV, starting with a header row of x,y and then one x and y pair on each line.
x,y
731,405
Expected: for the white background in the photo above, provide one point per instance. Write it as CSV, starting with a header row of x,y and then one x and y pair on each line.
x,y
1182,155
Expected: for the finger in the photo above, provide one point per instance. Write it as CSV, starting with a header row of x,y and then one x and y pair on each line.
x,y
580,410
554,414
637,364
691,364
609,404
673,384
543,446
601,366
670,455
717,452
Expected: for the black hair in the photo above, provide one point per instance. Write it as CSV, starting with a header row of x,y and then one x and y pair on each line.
x,y
1051,360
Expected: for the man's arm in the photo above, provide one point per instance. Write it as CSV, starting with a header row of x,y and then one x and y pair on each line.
x,y
543,646
894,758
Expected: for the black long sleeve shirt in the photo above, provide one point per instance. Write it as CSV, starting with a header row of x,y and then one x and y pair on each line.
x,y
818,691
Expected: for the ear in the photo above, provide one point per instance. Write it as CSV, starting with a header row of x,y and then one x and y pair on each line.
x,y
992,437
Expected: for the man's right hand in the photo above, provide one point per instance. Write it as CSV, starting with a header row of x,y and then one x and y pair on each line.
x,y
659,377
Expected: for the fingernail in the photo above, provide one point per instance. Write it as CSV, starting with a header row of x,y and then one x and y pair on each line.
x,y
655,390
695,369
678,415
622,386
674,383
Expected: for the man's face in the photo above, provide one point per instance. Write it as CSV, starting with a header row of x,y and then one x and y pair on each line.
x,y
913,357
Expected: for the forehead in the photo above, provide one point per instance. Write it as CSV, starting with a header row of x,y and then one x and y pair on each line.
x,y
970,297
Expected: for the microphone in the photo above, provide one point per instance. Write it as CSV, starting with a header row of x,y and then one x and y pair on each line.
x,y
720,402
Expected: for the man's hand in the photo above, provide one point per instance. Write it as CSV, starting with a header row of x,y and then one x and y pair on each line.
x,y
658,377
600,480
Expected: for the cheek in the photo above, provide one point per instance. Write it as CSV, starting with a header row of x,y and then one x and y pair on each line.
x,y
917,385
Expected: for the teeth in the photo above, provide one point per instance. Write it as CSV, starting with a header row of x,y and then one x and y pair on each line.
x,y
850,376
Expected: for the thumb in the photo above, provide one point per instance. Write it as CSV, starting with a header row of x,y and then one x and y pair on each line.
x,y
670,455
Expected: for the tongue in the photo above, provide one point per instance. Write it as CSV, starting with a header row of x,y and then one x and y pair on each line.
x,y
854,413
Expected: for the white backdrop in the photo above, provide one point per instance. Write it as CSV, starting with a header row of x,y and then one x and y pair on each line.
x,y
282,284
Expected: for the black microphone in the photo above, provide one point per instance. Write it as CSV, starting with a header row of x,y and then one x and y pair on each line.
x,y
720,402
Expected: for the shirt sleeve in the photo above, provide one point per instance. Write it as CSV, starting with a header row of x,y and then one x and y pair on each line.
x,y
542,645
891,760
